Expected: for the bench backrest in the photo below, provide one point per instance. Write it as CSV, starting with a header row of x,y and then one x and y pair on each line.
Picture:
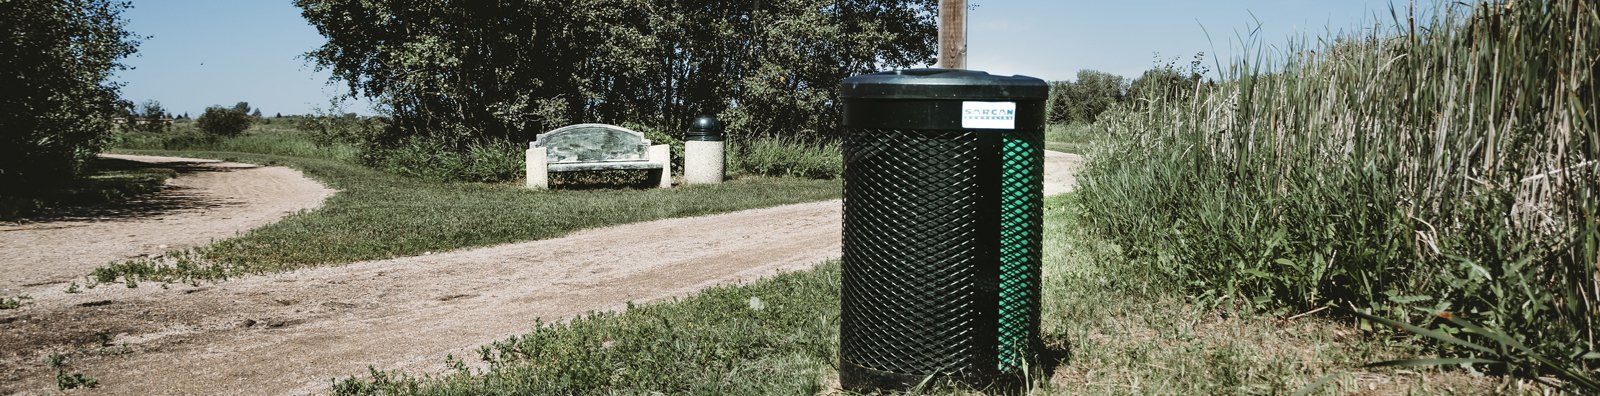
x,y
593,143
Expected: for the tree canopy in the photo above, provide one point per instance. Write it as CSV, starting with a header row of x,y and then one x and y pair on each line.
x,y
56,96
470,70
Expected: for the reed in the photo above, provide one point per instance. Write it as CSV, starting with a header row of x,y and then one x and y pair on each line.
x,y
1429,168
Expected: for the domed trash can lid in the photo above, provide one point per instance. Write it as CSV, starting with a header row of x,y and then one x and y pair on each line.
x,y
949,84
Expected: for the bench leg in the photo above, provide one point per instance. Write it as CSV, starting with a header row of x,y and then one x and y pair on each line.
x,y
662,154
538,174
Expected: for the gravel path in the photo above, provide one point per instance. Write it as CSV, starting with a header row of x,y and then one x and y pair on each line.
x,y
208,200
291,333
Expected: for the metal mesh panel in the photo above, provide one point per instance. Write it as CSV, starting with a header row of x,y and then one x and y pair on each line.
x,y
910,302
1021,209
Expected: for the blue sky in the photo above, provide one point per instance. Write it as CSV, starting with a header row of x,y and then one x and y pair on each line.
x,y
211,52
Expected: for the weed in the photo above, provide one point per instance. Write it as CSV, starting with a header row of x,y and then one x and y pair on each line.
x,y
66,381
73,288
15,302
55,360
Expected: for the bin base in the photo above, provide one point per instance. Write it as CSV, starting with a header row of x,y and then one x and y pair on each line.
x,y
855,378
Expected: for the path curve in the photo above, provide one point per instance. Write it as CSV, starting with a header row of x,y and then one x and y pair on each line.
x,y
208,200
291,333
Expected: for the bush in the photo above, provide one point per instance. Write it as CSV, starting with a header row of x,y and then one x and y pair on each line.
x,y
223,121
436,159
779,156
56,96
1451,173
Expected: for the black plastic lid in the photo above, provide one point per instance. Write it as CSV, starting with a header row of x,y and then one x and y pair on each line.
x,y
705,128
943,84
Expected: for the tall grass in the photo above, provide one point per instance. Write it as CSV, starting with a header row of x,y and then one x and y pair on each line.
x,y
1443,168
783,156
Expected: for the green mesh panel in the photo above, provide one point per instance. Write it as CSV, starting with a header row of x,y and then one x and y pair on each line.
x,y
1021,192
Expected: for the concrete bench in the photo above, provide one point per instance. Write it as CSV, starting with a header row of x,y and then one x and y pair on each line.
x,y
594,147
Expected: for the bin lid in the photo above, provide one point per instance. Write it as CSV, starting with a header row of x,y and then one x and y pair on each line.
x,y
943,84
706,124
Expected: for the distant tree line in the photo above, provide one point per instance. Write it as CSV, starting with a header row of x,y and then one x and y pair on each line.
x,y
1093,92
57,100
467,71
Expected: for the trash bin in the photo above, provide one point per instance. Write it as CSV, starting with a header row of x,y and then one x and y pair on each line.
x,y
704,159
943,191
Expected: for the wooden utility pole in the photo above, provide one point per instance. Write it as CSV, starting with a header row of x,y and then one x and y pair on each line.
x,y
953,34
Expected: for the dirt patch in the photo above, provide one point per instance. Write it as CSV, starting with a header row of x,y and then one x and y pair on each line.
x,y
291,333
208,200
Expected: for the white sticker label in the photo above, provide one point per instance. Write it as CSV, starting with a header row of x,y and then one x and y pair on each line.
x,y
989,115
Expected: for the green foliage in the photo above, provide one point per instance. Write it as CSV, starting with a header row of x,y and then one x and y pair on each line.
x,y
148,117
15,302
1070,138
459,73
1083,100
438,159
1168,82
1450,166
65,380
225,122
333,126
58,97
784,156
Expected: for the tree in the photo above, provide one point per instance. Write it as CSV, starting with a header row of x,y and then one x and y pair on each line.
x,y
1168,81
222,121
1084,99
149,116
57,98
468,71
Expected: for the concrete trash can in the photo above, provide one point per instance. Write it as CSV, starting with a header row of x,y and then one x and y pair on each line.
x,y
704,161
943,211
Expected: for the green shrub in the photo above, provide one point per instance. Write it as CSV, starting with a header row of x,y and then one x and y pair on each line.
x,y
780,156
1443,173
222,121
435,159
56,93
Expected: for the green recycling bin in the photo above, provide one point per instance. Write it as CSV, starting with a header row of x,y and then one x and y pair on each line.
x,y
943,210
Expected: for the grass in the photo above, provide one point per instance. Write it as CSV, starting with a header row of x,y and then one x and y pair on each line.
x,y
1421,171
280,138
1125,335
106,181
786,156
1070,138
377,215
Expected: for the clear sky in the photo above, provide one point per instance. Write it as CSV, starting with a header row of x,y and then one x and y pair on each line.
x,y
210,52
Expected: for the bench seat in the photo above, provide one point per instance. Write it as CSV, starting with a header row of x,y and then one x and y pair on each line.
x,y
611,165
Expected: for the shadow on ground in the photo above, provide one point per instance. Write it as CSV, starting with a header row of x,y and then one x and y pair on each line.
x,y
166,199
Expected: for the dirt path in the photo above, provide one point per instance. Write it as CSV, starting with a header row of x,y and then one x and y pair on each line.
x,y
292,333
207,200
